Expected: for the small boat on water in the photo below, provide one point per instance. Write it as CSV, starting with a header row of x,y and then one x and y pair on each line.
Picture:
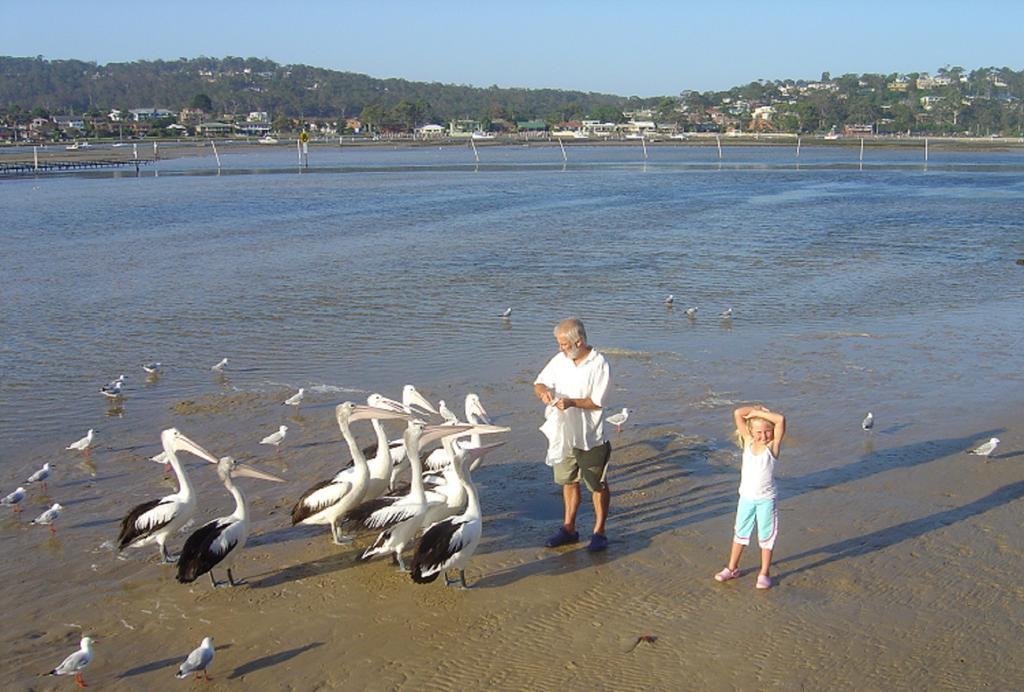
x,y
482,135
78,145
267,139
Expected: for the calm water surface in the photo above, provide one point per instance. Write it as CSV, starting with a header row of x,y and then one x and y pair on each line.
x,y
870,288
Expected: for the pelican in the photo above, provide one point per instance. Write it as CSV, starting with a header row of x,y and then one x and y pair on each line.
x,y
618,419
295,399
691,313
401,517
670,299
275,438
49,516
197,661
217,543
985,450
76,662
219,367
151,368
868,422
726,314
83,444
451,542
14,499
157,520
476,414
415,403
507,314
41,475
328,501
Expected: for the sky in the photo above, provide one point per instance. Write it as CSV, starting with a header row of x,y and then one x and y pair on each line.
x,y
629,48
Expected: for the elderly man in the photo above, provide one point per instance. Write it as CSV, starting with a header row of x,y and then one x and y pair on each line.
x,y
576,381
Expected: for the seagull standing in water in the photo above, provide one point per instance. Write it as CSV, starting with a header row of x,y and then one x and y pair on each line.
x,y
76,662
507,314
618,419
296,398
219,367
986,449
868,422
49,516
670,300
197,661
691,313
157,520
83,444
275,438
14,499
41,475
151,368
726,314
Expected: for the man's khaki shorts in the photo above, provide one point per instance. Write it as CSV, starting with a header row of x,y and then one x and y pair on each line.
x,y
590,465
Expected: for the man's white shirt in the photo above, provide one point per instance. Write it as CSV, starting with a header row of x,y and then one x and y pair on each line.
x,y
584,428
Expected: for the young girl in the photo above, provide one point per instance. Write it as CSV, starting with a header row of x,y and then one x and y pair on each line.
x,y
760,432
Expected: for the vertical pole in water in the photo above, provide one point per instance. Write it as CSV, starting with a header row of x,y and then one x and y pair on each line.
x,y
35,156
156,152
862,149
135,151
215,154
298,148
798,146
644,142
564,157
305,154
926,150
719,141
475,154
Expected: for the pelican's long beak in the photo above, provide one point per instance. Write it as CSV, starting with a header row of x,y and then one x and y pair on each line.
x,y
436,432
471,454
411,397
381,401
365,412
488,429
181,443
253,473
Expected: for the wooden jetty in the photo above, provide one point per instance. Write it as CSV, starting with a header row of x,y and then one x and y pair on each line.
x,y
66,165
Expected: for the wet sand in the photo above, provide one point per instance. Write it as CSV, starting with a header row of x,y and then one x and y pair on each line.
x,y
896,565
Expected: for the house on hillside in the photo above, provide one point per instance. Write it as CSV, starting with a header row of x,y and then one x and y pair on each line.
x,y
69,122
142,114
463,128
431,131
214,129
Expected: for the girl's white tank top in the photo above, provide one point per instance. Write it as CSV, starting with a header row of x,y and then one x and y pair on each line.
x,y
757,474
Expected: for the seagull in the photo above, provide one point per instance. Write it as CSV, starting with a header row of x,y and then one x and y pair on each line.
x,y
670,299
618,419
151,368
986,449
868,422
14,499
726,314
275,438
49,516
217,543
295,399
83,444
197,661
446,413
219,367
41,475
507,314
691,312
76,662
112,390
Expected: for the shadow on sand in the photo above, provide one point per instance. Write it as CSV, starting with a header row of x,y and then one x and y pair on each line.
x,y
271,660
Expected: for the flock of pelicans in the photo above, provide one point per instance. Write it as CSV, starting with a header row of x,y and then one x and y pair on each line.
x,y
439,503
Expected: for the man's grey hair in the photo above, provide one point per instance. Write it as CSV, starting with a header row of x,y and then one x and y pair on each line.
x,y
571,329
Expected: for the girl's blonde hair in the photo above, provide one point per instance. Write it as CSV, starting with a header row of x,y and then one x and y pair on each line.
x,y
737,438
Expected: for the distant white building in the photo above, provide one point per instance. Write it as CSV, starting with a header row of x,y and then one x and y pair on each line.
x,y
430,131
258,117
141,114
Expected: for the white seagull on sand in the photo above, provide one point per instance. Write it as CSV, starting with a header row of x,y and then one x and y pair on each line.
x,y
219,367
868,422
986,449
275,438
296,398
76,662
446,413
49,516
618,419
83,444
14,499
197,661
